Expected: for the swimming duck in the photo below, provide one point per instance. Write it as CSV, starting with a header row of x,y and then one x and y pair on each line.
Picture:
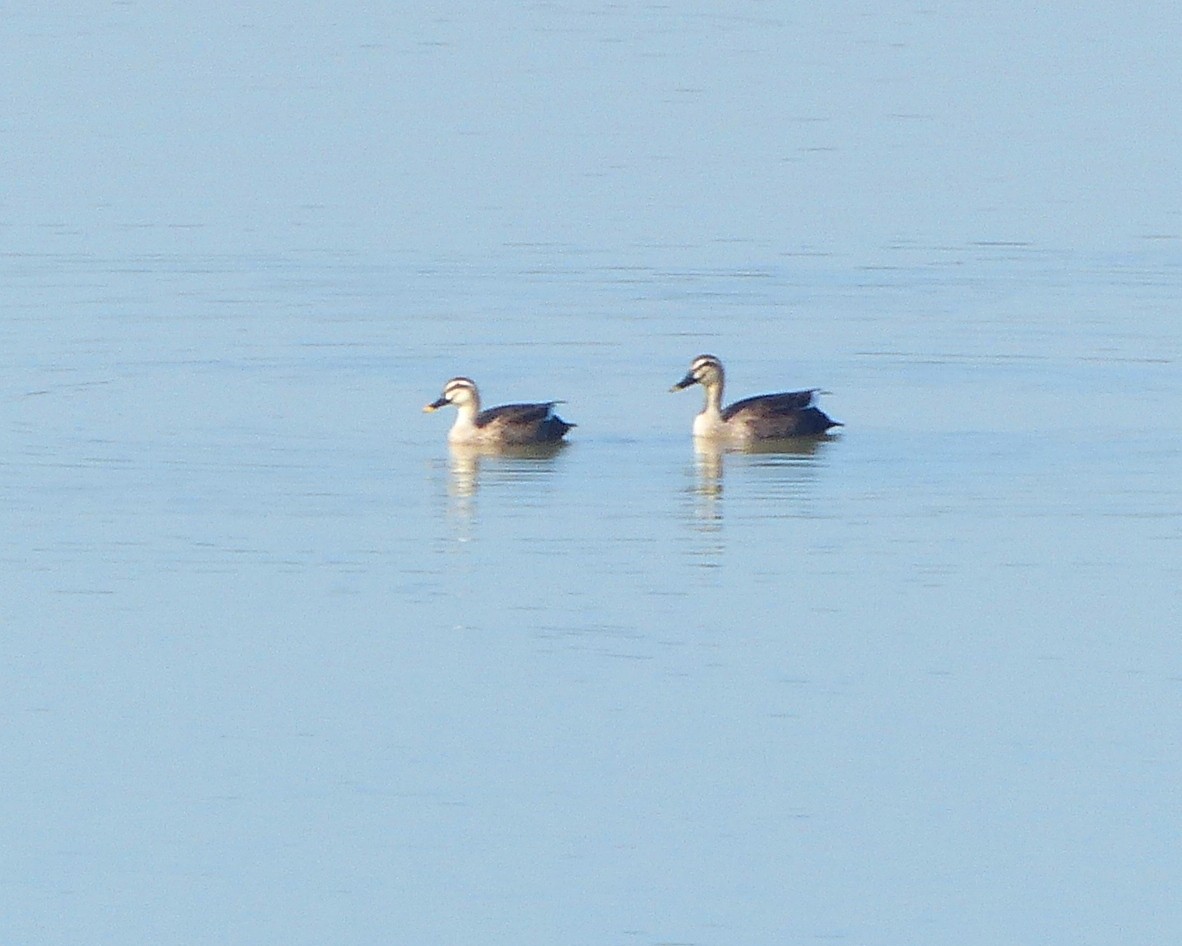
x,y
507,425
763,417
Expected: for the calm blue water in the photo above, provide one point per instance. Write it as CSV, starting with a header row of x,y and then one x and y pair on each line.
x,y
279,666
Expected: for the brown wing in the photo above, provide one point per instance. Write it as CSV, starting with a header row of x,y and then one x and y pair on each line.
x,y
515,414
525,423
770,405
772,416
807,423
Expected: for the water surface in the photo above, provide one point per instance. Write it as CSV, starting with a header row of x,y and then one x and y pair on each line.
x,y
278,665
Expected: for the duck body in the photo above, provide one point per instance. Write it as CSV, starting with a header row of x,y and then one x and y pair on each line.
x,y
763,417
510,425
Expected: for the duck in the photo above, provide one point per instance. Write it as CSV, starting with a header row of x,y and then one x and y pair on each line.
x,y
510,425
753,419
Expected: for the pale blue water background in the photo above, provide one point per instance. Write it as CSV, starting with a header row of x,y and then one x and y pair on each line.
x,y
277,668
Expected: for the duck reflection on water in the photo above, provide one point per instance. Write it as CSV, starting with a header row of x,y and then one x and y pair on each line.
x,y
516,468
789,468
508,462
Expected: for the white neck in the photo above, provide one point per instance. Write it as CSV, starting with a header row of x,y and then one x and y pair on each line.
x,y
713,399
709,423
465,425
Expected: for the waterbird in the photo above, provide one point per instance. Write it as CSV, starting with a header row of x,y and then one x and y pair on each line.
x,y
509,425
753,419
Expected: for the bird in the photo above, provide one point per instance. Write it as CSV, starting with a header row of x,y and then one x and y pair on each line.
x,y
509,425
763,417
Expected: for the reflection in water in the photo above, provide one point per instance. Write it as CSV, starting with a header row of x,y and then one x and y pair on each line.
x,y
708,458
500,464
706,518
786,474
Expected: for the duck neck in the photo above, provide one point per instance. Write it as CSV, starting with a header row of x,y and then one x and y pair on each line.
x,y
466,415
713,406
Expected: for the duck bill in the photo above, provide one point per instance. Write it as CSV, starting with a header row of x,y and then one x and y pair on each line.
x,y
684,383
435,405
